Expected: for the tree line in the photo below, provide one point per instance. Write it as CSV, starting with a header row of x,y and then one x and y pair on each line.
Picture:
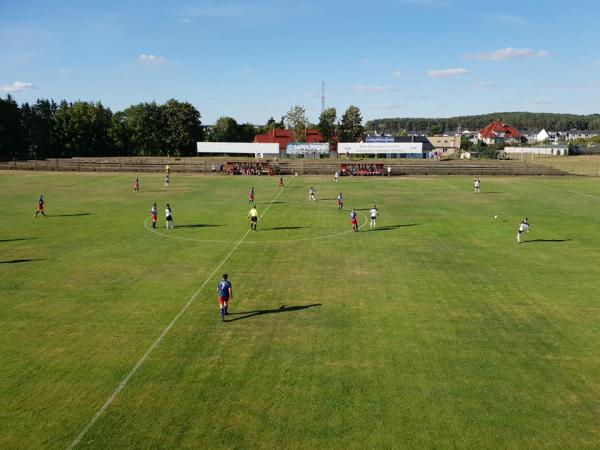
x,y
521,120
46,129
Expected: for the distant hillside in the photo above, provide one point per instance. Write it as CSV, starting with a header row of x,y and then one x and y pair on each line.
x,y
520,120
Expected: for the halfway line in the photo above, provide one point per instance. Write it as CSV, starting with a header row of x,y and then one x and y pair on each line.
x,y
158,340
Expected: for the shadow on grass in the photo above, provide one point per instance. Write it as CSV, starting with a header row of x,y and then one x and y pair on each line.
x,y
18,261
261,312
546,240
325,199
283,228
199,225
393,227
491,192
17,239
69,215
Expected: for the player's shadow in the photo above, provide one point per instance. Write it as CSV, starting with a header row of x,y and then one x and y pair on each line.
x,y
325,199
393,227
545,240
17,239
68,215
199,225
18,261
491,192
261,312
283,228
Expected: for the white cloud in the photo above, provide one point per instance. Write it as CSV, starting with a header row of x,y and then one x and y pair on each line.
x,y
487,84
542,102
152,58
247,69
509,53
185,20
17,86
372,89
396,74
364,61
313,94
442,73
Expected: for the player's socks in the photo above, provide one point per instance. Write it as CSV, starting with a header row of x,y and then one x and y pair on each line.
x,y
223,314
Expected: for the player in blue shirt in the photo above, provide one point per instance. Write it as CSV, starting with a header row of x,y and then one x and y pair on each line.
x,y
225,294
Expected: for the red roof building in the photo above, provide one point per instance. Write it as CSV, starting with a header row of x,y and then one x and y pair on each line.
x,y
285,137
499,133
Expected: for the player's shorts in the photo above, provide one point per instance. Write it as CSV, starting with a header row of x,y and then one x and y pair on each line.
x,y
169,218
154,218
354,221
40,207
253,219
223,300
373,217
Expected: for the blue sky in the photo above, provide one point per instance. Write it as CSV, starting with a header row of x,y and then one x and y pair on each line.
x,y
253,60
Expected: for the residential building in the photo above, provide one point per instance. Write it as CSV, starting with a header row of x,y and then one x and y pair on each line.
x,y
499,133
445,144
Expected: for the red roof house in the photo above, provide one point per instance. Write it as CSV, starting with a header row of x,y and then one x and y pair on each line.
x,y
498,132
285,137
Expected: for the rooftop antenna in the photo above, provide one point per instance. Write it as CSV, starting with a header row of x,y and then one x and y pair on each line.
x,y
322,97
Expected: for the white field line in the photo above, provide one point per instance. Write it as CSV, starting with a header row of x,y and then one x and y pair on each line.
x,y
274,241
159,339
583,193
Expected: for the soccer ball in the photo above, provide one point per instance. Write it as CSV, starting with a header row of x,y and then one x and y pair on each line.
x,y
495,216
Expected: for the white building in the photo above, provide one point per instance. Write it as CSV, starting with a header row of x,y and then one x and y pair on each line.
x,y
559,150
382,149
270,150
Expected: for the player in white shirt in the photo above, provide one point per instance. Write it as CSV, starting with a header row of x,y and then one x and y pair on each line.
x,y
311,193
336,176
523,226
169,217
477,184
374,214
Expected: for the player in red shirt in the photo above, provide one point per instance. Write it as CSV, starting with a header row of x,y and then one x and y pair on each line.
x,y
354,220
40,206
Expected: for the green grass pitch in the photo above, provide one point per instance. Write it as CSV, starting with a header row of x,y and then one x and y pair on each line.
x,y
435,331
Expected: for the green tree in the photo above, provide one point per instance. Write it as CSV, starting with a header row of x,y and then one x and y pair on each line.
x,y
297,122
225,130
350,128
39,124
466,144
120,133
13,139
81,129
435,130
246,132
182,127
270,125
326,125
144,123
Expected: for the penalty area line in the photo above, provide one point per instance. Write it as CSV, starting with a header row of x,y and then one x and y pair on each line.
x,y
162,335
